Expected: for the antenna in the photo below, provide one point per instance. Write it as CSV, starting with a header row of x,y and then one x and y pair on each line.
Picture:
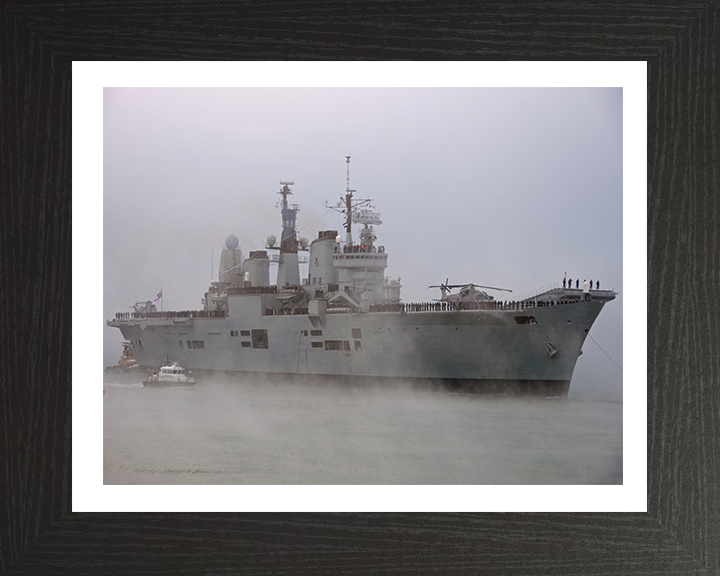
x,y
285,190
366,216
347,159
351,208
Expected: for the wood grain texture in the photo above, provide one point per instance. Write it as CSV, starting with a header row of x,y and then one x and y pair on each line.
x,y
680,532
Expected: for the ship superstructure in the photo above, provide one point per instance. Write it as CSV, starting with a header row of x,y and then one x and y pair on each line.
x,y
346,318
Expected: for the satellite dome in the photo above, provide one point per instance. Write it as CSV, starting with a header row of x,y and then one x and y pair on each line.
x,y
338,238
271,240
303,242
231,242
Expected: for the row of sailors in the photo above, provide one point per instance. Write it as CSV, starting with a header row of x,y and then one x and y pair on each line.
x,y
441,306
445,306
358,248
586,286
181,314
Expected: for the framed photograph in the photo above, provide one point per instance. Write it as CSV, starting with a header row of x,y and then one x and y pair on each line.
x,y
54,226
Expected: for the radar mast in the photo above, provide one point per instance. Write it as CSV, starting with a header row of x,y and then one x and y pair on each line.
x,y
288,272
352,209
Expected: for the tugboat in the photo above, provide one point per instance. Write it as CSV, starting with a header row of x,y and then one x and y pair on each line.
x,y
126,362
169,375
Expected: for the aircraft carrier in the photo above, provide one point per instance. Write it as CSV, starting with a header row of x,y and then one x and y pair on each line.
x,y
346,319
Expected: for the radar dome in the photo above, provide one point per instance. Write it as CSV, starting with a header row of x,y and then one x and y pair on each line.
x,y
338,238
231,242
303,242
271,240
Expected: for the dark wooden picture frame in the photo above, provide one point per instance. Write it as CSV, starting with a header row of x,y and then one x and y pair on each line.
x,y
679,534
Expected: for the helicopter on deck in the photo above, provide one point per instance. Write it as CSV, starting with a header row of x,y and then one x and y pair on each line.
x,y
468,292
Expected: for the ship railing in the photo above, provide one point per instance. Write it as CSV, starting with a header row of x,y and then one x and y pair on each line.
x,y
530,295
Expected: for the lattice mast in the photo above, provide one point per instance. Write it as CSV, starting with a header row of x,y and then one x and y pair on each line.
x,y
288,270
351,208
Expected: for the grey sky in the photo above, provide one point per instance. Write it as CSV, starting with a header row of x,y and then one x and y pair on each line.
x,y
504,187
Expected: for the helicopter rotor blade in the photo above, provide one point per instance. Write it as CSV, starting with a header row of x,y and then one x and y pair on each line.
x,y
471,285
493,288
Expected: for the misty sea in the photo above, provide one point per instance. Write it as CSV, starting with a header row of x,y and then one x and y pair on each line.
x,y
251,432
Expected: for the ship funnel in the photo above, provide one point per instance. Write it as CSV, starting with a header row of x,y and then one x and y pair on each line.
x,y
257,269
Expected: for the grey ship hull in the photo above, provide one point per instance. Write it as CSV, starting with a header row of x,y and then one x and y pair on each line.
x,y
531,350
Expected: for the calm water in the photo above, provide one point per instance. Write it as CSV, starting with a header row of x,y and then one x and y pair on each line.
x,y
253,432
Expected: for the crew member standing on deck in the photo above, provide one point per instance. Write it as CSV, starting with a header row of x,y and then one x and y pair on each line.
x,y
586,290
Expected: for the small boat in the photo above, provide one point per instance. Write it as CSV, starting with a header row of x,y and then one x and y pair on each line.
x,y
127,360
169,375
